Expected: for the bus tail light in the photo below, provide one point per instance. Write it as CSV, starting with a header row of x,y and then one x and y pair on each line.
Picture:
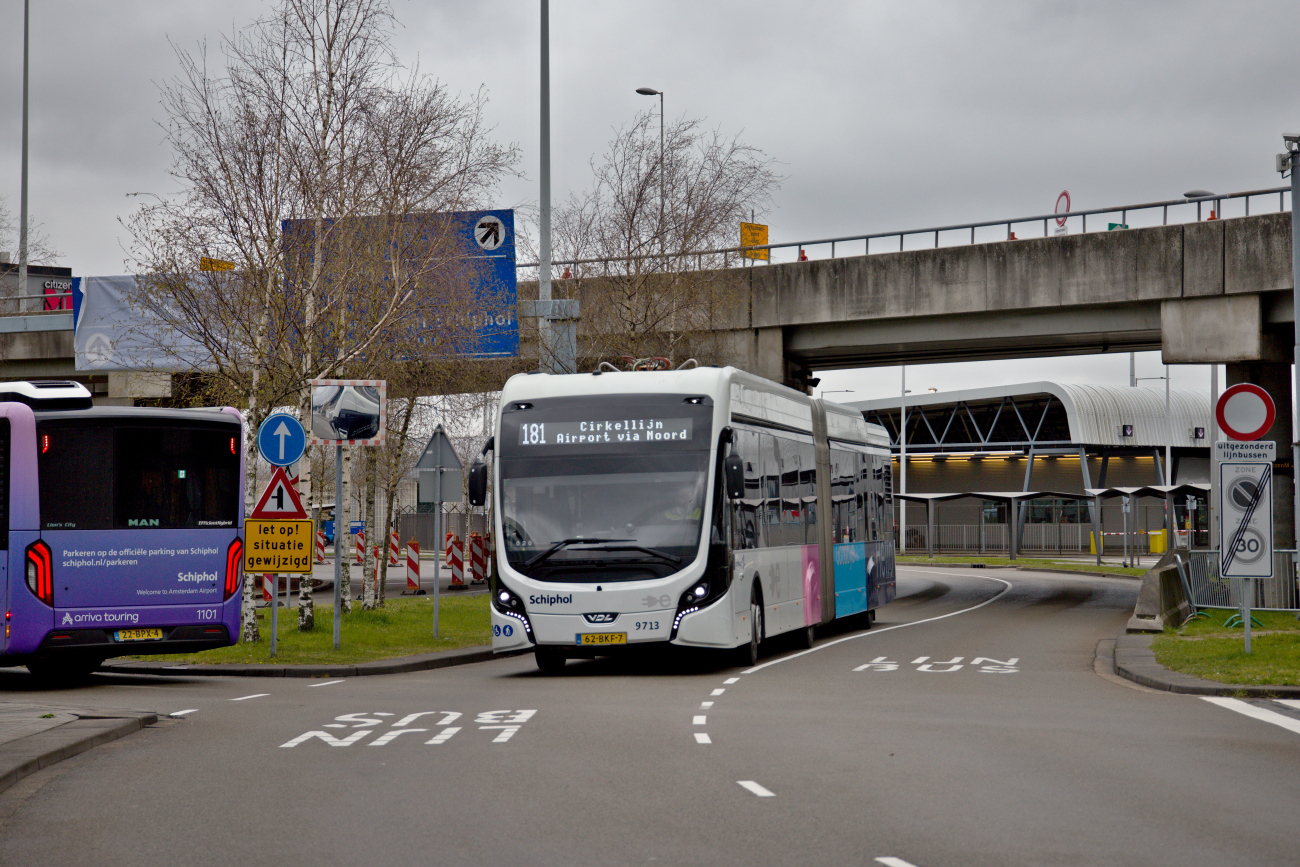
x,y
40,573
234,558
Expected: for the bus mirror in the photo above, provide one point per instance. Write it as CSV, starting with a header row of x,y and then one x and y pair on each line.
x,y
477,482
733,471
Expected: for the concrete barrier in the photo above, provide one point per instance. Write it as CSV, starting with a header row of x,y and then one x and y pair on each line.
x,y
1161,599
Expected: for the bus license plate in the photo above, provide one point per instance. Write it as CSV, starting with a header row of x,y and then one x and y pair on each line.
x,y
602,638
138,634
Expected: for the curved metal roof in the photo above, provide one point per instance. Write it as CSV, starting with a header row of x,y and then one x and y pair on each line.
x,y
1095,412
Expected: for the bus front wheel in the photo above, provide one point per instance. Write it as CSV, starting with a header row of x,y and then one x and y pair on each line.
x,y
549,659
747,654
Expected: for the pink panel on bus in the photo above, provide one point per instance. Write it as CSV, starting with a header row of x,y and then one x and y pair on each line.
x,y
812,585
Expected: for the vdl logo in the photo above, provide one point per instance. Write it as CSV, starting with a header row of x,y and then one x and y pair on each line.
x,y
142,522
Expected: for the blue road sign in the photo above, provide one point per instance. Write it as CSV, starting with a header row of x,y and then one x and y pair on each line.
x,y
281,439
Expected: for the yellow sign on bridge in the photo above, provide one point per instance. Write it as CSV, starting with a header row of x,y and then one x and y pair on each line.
x,y
754,235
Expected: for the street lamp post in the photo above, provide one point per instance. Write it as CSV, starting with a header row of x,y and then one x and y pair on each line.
x,y
650,91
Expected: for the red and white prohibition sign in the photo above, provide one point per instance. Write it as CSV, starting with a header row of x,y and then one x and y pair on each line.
x,y
1245,412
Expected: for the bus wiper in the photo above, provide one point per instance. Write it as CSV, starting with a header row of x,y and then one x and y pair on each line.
x,y
662,555
564,543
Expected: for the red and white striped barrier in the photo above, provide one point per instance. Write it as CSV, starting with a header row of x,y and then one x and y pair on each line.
x,y
455,561
375,579
320,546
393,554
267,578
413,569
491,554
477,559
361,547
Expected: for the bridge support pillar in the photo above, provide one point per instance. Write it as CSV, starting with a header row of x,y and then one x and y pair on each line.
x,y
1275,378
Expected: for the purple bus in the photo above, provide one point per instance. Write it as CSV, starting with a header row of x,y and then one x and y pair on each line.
x,y
121,528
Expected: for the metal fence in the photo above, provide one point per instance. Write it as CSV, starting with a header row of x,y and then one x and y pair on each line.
x,y
1209,589
1047,538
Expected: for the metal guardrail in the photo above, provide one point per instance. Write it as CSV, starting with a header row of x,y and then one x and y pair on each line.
x,y
34,304
1208,589
1124,212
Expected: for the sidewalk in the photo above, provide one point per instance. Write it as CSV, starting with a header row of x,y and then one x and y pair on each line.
x,y
1135,661
36,736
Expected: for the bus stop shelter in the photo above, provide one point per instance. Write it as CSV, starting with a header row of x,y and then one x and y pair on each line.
x,y
1014,500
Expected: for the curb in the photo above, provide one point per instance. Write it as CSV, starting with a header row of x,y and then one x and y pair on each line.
x,y
1135,661
26,756
1025,569
400,665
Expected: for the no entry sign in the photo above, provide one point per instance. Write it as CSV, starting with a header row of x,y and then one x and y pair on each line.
x,y
1245,412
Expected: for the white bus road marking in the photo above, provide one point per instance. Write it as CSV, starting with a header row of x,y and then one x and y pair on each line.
x,y
176,713
702,738
1006,588
326,683
505,723
980,664
254,695
890,861
731,680
1291,724
699,720
1292,703
717,692
705,705
755,788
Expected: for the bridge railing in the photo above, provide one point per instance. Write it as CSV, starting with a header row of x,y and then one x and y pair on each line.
x,y
33,304
1140,215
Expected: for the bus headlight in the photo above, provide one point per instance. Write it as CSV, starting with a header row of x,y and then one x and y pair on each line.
x,y
508,604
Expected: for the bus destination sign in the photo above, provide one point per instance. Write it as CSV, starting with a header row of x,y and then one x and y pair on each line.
x,y
613,431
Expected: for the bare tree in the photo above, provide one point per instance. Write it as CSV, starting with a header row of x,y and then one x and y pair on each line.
x,y
652,209
39,249
314,163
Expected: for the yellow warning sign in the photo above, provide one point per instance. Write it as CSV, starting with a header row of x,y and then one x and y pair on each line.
x,y
278,546
754,235
206,264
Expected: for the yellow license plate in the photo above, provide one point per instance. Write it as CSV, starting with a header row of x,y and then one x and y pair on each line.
x,y
138,634
602,638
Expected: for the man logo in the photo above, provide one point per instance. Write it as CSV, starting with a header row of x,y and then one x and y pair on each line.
x,y
142,522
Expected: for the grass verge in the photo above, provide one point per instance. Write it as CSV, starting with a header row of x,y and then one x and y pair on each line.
x,y
1206,648
403,627
1026,562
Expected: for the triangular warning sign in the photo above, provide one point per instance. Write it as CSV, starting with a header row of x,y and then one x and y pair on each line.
x,y
280,501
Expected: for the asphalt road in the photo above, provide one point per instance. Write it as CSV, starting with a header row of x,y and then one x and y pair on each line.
x,y
969,726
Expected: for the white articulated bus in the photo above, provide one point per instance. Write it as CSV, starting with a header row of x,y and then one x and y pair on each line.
x,y
703,508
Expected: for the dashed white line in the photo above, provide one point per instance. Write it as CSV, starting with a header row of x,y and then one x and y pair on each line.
x,y
699,720
705,705
731,680
183,712
326,683
1289,723
717,692
755,788
255,695
890,861
702,738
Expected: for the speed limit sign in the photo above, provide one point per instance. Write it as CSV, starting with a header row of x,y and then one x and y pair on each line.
x,y
1246,507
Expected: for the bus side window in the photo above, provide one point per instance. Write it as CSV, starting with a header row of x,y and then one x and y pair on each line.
x,y
747,517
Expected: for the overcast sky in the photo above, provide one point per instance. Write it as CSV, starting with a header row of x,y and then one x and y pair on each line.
x,y
880,115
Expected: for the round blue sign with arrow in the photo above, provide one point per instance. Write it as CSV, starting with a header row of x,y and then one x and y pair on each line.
x,y
281,439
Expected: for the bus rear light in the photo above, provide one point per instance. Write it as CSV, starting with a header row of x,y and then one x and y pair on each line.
x,y
232,446
40,577
234,558
45,443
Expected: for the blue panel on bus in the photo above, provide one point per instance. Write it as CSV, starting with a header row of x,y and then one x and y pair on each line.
x,y
850,578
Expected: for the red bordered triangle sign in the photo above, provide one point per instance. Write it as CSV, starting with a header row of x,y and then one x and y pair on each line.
x,y
279,501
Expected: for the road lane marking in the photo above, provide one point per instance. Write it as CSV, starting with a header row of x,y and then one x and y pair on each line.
x,y
1292,703
731,680
326,683
1005,590
183,712
1245,709
705,705
717,692
755,788
255,695
889,861
702,738
699,720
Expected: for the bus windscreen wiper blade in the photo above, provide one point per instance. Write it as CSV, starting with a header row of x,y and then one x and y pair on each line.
x,y
662,555
564,543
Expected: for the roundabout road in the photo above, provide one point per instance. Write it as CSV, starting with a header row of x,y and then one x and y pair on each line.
x,y
967,727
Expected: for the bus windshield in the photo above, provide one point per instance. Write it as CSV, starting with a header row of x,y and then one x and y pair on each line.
x,y
612,495
121,473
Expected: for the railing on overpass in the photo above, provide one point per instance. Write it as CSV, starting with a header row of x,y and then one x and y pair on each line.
x,y
957,233
32,304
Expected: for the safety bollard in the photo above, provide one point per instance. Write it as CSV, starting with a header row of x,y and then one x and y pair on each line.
x,y
266,587
477,559
413,587
393,555
455,562
361,547
320,546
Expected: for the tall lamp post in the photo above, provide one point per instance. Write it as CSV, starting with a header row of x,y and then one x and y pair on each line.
x,y
650,91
